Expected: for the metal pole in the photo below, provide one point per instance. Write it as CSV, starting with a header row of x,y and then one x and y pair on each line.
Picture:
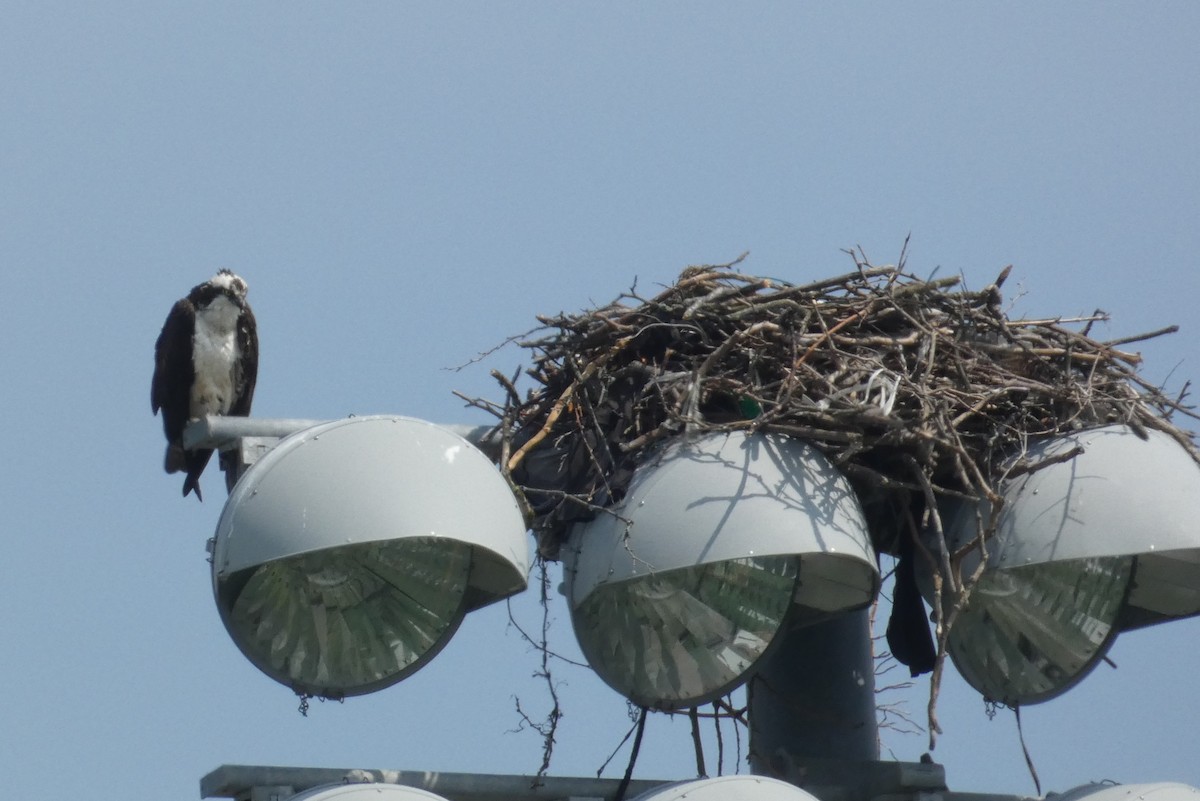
x,y
814,699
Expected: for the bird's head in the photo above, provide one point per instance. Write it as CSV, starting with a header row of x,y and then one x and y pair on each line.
x,y
231,282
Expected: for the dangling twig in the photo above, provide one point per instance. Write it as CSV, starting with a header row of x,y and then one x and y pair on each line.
x,y
694,718
623,787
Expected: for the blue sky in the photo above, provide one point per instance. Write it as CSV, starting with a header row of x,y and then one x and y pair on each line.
x,y
405,185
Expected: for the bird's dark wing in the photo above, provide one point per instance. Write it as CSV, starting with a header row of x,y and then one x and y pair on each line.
x,y
908,634
247,335
171,387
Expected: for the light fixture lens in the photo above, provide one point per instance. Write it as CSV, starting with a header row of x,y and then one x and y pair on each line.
x,y
680,637
351,619
1030,633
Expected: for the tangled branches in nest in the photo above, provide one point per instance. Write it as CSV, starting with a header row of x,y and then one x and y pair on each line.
x,y
916,389
905,384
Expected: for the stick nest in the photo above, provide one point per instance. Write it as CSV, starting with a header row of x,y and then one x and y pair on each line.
x,y
909,386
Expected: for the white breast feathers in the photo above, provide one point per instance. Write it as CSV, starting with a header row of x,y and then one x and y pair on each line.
x,y
215,356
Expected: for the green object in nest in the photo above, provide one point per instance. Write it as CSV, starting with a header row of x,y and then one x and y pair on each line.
x,y
749,407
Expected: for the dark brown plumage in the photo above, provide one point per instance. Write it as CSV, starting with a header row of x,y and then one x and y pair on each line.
x,y
205,363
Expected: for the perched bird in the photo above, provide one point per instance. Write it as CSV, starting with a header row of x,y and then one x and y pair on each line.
x,y
205,363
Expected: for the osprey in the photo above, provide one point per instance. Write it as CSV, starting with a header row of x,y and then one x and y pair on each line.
x,y
205,363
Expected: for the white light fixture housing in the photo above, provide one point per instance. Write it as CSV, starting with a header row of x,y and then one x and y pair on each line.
x,y
374,791
347,556
1084,548
722,541
731,788
1157,791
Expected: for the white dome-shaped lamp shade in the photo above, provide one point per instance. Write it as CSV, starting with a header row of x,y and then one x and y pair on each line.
x,y
373,791
721,541
348,555
729,788
1084,548
1157,791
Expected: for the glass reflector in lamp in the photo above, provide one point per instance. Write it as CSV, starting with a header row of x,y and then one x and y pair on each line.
x,y
1029,633
721,541
356,616
680,633
347,556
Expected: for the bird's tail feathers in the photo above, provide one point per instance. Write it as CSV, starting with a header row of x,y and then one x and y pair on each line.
x,y
192,484
195,464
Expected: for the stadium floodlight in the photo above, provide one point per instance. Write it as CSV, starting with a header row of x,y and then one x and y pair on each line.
x,y
731,788
1103,537
347,556
1156,791
375,791
722,541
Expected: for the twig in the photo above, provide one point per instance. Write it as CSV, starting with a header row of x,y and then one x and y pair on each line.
x,y
623,787
1170,329
701,771
549,727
